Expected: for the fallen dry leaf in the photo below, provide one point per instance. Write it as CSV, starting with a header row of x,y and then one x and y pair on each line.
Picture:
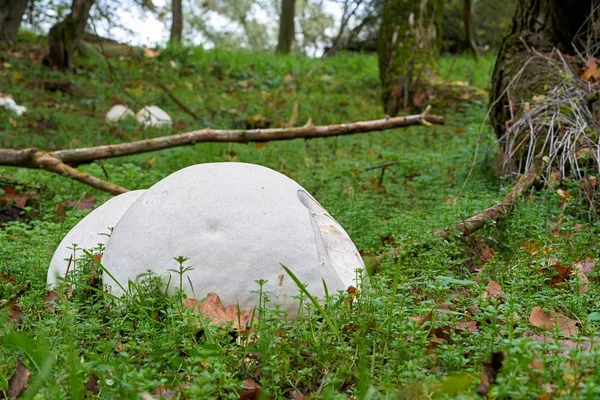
x,y
494,289
490,373
467,326
14,313
11,194
86,203
540,319
295,395
250,391
50,297
92,384
8,279
18,381
591,70
213,308
581,270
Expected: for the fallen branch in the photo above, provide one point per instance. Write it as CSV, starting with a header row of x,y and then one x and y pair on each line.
x,y
32,158
478,221
62,162
505,207
308,131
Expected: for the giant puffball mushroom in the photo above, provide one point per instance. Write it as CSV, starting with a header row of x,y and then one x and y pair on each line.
x,y
90,232
236,223
153,116
119,112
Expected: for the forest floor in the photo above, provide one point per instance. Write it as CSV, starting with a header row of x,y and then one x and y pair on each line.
x,y
515,304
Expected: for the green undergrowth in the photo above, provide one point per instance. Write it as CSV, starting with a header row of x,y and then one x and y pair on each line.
x,y
425,326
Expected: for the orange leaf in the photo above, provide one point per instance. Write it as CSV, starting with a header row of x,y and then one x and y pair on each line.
x,y
12,194
591,70
213,308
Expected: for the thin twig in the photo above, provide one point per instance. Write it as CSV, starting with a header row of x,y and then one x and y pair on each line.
x,y
22,289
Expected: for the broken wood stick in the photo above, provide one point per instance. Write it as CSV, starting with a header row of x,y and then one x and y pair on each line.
x,y
479,220
32,158
505,207
308,131
63,162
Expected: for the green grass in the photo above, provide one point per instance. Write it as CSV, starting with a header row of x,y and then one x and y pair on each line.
x,y
403,337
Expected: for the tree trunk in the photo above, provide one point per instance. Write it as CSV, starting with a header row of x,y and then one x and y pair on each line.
x,y
64,37
11,15
286,26
177,23
408,44
541,25
468,6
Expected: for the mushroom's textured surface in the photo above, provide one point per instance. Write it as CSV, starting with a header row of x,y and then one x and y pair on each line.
x,y
236,223
88,234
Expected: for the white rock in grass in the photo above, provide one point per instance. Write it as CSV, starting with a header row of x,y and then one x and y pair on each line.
x,y
236,223
153,116
119,112
88,234
10,104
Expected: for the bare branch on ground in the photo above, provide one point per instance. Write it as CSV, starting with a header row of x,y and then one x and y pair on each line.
x,y
63,162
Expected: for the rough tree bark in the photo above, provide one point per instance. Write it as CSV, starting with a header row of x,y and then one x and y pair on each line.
x,y
64,37
408,43
541,25
11,15
177,23
286,26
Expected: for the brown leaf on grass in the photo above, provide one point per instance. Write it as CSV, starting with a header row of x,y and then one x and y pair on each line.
x,y
18,381
11,194
50,297
387,239
581,269
585,266
531,247
494,289
467,326
8,279
296,395
562,274
540,319
591,70
92,384
14,313
213,308
86,203
490,373
251,390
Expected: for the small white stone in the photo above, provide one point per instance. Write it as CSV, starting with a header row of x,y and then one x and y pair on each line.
x,y
119,112
88,234
153,116
236,223
10,104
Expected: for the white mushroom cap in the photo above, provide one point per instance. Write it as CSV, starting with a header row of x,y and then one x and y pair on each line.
x,y
236,223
